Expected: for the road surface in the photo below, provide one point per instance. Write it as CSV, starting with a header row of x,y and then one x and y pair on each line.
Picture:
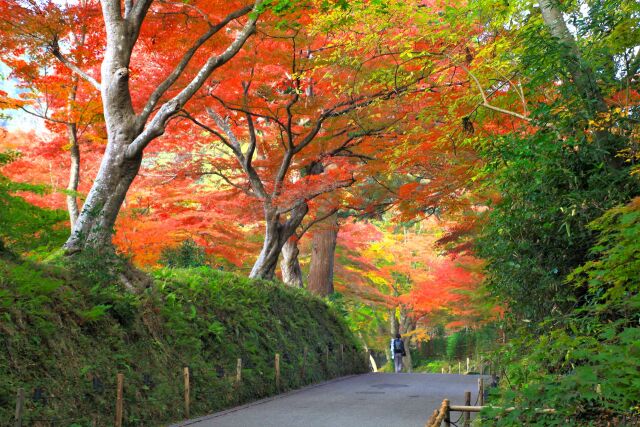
x,y
371,400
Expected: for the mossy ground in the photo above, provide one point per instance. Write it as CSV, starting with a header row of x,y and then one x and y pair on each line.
x,y
64,338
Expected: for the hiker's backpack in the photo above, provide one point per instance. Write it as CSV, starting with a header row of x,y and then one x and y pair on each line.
x,y
398,346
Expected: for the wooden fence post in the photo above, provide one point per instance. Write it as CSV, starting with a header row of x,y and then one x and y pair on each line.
x,y
19,407
449,368
304,362
326,360
481,391
239,370
119,392
459,367
467,414
277,363
447,413
187,389
467,365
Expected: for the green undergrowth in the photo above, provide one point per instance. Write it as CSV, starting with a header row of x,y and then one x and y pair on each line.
x,y
65,338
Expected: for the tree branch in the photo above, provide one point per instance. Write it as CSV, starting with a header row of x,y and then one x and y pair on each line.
x,y
157,125
485,100
55,51
254,178
315,221
182,65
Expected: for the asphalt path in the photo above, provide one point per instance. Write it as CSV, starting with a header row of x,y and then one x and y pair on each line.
x,y
371,400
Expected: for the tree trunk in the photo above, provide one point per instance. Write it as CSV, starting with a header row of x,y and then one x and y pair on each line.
x,y
128,133
95,224
407,326
74,174
323,252
583,77
394,325
290,266
74,149
277,233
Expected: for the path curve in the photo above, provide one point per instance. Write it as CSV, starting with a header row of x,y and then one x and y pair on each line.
x,y
370,400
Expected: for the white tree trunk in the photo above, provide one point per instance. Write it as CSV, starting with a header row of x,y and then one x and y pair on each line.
x,y
290,265
74,174
277,233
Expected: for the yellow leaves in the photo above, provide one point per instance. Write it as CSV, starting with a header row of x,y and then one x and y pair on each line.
x,y
607,120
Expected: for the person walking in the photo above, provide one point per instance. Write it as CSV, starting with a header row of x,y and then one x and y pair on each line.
x,y
397,352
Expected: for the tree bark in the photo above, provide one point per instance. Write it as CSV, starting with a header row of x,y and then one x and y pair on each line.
x,y
129,133
95,224
323,249
408,326
277,233
290,266
394,325
74,174
582,75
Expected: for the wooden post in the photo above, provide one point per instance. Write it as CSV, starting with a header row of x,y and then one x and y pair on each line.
x,y
467,414
447,413
277,363
19,407
326,359
449,368
119,392
187,387
433,418
239,370
481,391
304,362
442,369
459,367
467,365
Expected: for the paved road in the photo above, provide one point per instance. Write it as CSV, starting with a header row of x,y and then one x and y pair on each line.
x,y
371,400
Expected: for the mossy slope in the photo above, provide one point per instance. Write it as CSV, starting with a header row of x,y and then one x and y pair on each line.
x,y
63,340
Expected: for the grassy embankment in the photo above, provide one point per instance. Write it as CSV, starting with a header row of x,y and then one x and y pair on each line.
x,y
64,338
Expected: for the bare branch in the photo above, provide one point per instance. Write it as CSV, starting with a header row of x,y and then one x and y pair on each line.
x,y
315,221
485,100
157,125
55,51
182,65
234,144
244,189
212,131
223,123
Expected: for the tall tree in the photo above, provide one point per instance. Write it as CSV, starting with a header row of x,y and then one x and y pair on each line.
x,y
301,137
323,248
129,131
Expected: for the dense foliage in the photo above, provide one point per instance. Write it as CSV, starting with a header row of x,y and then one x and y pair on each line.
x,y
65,339
26,227
585,365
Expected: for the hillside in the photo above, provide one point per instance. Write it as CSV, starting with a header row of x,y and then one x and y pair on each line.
x,y
64,339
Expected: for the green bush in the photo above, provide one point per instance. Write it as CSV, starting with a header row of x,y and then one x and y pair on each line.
x,y
25,227
186,254
587,367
